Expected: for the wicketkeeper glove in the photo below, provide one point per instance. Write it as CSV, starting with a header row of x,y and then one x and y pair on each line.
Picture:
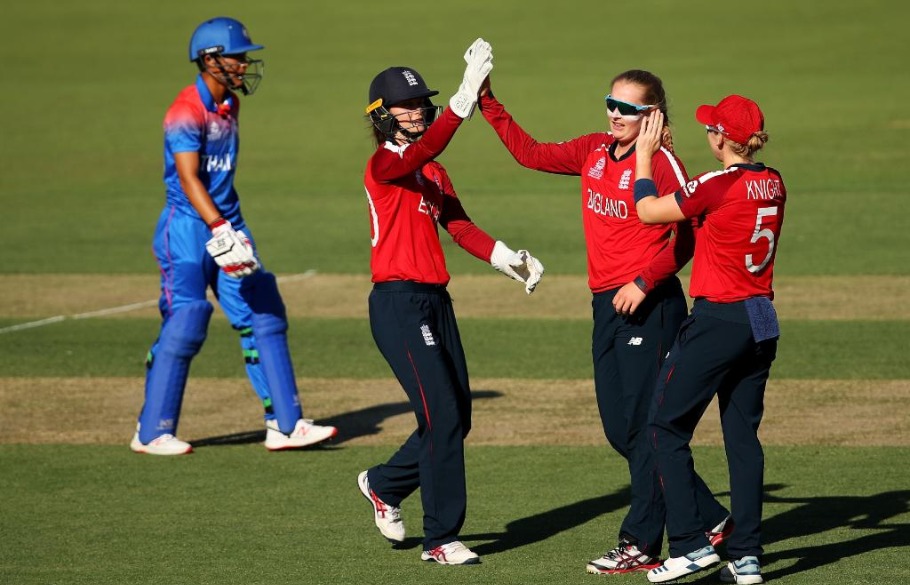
x,y
479,58
519,265
231,250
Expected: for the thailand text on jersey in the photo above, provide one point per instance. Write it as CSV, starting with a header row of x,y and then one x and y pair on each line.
x,y
409,194
620,248
195,123
742,211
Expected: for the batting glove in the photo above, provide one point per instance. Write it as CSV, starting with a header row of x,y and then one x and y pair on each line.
x,y
231,250
520,265
479,58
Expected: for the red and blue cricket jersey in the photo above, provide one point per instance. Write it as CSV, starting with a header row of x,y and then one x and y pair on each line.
x,y
740,212
620,248
409,195
195,123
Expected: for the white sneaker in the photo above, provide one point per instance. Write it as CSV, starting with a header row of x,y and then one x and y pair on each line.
x,y
453,553
387,518
676,567
745,571
305,433
164,445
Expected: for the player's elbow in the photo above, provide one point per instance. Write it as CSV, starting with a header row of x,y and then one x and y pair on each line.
x,y
646,213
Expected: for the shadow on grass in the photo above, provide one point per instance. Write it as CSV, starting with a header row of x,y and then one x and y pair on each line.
x,y
812,516
816,515
538,527
351,425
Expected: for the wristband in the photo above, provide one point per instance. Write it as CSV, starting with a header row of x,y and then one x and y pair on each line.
x,y
219,221
644,188
641,284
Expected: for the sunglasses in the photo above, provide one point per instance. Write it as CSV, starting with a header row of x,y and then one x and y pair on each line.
x,y
625,108
713,129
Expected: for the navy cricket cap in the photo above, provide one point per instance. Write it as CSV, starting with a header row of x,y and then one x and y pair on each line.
x,y
398,84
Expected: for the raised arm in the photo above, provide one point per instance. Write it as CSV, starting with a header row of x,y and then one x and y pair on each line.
x,y
564,158
394,162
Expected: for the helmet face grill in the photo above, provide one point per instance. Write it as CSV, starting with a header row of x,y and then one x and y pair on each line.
x,y
389,126
227,75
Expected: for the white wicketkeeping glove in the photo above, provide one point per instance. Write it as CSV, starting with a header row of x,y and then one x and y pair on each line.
x,y
479,58
519,265
232,251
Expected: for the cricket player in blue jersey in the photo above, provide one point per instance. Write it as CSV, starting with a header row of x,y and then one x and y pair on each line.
x,y
201,242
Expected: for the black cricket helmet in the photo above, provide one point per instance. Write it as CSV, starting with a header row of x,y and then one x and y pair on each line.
x,y
391,87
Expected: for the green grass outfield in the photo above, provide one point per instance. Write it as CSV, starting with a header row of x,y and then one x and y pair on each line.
x,y
541,349
236,514
80,154
86,85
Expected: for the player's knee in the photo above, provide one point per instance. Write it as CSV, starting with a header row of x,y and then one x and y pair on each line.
x,y
268,325
186,329
260,291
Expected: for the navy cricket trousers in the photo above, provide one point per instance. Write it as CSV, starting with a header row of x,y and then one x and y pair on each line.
x,y
628,353
414,327
715,353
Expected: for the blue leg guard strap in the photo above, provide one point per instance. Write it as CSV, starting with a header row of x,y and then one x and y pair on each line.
x,y
181,337
270,327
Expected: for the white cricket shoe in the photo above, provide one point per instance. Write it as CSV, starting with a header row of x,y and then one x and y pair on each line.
x,y
676,567
166,444
305,433
453,553
745,571
625,558
386,517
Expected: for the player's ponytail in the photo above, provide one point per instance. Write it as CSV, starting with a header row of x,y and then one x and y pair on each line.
x,y
666,138
756,142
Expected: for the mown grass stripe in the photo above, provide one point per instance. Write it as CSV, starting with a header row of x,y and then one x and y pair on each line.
x,y
506,411
560,296
543,349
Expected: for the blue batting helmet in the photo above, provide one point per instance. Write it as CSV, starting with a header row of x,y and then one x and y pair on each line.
x,y
221,35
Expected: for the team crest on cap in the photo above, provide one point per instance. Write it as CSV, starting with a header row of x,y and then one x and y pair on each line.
x,y
409,77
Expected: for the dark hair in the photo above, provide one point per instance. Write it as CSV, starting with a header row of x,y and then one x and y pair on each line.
x,y
654,95
378,137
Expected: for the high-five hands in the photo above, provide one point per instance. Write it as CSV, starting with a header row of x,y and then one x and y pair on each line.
x,y
232,250
479,58
520,265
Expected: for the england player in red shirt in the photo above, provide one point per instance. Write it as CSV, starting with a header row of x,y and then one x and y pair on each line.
x,y
409,195
727,344
638,302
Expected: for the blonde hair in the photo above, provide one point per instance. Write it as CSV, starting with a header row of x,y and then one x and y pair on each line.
x,y
756,142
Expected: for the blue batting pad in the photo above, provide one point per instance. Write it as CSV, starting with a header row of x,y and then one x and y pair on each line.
x,y
181,338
